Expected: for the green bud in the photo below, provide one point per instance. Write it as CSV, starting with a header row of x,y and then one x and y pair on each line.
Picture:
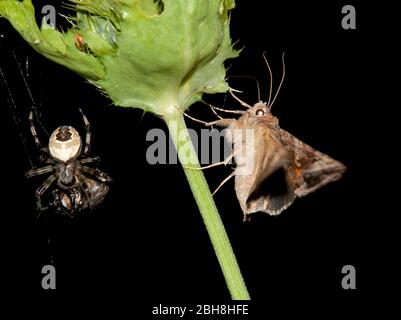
x,y
160,56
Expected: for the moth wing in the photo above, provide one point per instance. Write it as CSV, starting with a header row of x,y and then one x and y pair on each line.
x,y
312,169
266,187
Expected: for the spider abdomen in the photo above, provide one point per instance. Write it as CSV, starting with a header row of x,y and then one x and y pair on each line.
x,y
65,144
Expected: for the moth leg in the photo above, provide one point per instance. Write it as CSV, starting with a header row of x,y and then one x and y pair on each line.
x,y
249,77
222,110
232,174
225,162
213,108
220,122
244,104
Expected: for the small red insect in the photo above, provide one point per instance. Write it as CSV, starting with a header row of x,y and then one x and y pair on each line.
x,y
80,42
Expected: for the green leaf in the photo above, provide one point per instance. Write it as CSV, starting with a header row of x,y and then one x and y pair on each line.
x,y
22,16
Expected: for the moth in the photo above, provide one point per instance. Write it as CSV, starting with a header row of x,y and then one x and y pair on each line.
x,y
283,167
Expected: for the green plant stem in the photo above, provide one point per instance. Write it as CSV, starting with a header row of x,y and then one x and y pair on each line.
x,y
207,207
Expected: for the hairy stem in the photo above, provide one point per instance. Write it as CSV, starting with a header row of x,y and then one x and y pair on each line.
x,y
207,207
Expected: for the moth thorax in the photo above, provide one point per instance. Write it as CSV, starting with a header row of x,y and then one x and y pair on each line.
x,y
65,144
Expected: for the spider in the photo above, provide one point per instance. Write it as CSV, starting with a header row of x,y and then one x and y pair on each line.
x,y
76,186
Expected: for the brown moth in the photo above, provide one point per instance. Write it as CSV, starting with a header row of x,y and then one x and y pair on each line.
x,y
282,166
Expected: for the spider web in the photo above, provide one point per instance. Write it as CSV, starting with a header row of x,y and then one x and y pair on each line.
x,y
11,100
17,105
14,112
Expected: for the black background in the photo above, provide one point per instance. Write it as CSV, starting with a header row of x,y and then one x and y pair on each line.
x,y
147,242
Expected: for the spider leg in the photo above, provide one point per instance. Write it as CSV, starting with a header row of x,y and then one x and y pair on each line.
x,y
82,183
39,171
88,133
100,175
42,189
89,160
34,133
94,191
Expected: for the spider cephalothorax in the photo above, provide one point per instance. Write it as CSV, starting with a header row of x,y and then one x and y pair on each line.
x,y
76,185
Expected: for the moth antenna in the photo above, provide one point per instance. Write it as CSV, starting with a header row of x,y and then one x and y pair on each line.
x,y
281,81
253,78
244,104
271,79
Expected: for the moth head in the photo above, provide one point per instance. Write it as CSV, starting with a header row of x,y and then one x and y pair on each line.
x,y
259,109
65,144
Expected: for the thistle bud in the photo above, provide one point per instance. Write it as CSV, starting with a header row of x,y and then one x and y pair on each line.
x,y
158,55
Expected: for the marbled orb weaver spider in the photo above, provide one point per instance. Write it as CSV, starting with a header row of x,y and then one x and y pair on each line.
x,y
76,185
